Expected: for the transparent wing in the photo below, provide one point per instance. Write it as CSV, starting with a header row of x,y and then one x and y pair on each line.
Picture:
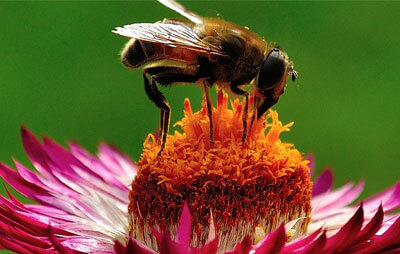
x,y
173,35
173,5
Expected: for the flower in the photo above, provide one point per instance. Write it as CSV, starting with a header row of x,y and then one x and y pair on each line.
x,y
89,204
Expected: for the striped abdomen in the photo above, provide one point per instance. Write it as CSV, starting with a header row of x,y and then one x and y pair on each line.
x,y
137,52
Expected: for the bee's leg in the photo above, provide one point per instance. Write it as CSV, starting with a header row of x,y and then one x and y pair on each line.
x,y
162,103
150,94
166,76
158,99
162,122
236,90
209,110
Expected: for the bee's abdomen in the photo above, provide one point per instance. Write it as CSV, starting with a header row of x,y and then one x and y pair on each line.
x,y
134,54
137,52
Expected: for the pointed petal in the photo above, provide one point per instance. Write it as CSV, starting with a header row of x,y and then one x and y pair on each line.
x,y
209,248
347,234
322,183
183,234
316,246
390,240
57,244
372,227
273,243
166,245
132,247
328,202
298,244
389,198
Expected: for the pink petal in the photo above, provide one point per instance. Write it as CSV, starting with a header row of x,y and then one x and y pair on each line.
x,y
322,183
372,227
316,246
347,234
300,243
57,244
209,248
166,245
133,247
116,161
337,199
390,240
273,242
26,188
94,163
183,236
389,198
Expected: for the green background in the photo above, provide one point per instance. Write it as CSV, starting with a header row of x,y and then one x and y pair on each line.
x,y
60,75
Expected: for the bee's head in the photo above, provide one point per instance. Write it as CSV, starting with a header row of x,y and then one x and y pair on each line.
x,y
271,79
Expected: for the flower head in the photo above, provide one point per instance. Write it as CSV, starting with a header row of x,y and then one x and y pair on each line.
x,y
243,198
260,183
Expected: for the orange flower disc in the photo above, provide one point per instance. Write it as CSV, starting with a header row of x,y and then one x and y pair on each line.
x,y
260,183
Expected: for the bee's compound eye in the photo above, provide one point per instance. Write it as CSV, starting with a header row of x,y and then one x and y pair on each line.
x,y
272,70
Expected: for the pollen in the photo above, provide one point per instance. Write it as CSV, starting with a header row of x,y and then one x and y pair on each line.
x,y
243,186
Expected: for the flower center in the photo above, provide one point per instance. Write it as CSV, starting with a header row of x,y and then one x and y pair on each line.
x,y
243,186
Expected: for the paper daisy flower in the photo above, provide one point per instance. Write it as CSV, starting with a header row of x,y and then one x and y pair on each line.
x,y
230,197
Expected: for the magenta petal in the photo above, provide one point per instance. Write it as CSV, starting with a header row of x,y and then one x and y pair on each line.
x,y
64,162
322,183
27,174
372,227
26,188
166,245
116,161
301,243
209,248
13,246
132,247
316,246
390,240
119,248
273,242
20,235
183,234
95,164
34,150
57,244
347,234
243,247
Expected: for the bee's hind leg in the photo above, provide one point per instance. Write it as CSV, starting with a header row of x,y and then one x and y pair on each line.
x,y
159,100
236,90
165,76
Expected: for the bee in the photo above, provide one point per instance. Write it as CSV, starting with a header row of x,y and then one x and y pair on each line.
x,y
206,51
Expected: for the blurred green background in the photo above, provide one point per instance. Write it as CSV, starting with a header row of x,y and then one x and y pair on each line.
x,y
60,75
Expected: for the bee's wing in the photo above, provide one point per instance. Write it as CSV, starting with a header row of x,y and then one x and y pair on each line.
x,y
169,34
173,5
